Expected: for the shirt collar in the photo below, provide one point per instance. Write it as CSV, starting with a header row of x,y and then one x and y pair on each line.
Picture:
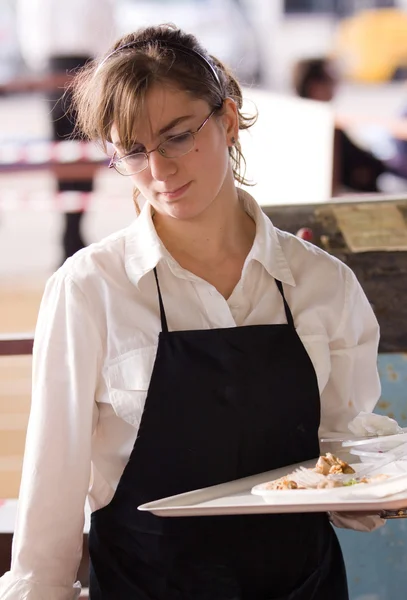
x,y
144,249
266,247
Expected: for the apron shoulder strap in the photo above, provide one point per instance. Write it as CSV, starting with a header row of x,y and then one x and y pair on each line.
x,y
164,326
288,313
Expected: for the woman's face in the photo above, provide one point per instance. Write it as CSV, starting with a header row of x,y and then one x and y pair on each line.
x,y
186,186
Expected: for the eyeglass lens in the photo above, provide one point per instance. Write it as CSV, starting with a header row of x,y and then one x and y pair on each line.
x,y
174,147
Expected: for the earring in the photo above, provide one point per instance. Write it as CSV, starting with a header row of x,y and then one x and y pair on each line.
x,y
233,140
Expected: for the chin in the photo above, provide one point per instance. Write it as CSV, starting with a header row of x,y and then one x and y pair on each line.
x,y
183,213
184,210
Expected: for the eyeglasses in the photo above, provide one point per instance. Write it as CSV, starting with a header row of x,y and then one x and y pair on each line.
x,y
173,147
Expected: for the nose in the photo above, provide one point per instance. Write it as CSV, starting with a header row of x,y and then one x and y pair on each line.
x,y
161,168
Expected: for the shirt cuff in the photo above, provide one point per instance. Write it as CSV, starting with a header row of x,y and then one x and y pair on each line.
x,y
15,588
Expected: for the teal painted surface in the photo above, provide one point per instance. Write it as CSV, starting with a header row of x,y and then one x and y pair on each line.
x,y
393,377
377,562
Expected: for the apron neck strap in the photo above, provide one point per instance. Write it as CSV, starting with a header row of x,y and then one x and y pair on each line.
x,y
288,313
164,326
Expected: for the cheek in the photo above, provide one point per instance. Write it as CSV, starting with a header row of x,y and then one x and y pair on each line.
x,y
141,182
209,161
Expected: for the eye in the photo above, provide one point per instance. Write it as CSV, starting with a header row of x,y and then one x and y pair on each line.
x,y
180,138
176,141
136,149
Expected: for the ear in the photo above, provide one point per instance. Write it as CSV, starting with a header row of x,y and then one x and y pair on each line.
x,y
230,120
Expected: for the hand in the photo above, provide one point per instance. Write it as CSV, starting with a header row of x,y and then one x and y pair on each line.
x,y
358,521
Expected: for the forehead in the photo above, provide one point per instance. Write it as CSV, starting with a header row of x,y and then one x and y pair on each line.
x,y
162,105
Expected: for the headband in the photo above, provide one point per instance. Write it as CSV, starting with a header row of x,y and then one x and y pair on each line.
x,y
175,46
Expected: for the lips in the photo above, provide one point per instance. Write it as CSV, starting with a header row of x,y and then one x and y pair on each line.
x,y
177,192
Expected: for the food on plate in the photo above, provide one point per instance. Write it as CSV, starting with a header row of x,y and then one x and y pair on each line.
x,y
332,465
329,467
283,483
374,478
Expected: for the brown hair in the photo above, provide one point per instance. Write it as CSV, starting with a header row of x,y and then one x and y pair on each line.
x,y
113,90
311,70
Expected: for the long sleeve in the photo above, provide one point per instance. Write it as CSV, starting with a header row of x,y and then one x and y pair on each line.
x,y
48,537
354,384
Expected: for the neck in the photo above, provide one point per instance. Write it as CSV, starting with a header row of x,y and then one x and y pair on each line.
x,y
223,228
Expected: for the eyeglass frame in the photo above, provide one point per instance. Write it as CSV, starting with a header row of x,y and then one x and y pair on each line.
x,y
113,161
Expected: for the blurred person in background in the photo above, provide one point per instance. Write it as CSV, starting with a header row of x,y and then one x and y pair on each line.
x,y
354,168
397,162
56,38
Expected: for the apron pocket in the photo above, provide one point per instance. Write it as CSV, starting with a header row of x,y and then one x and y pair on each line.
x,y
128,380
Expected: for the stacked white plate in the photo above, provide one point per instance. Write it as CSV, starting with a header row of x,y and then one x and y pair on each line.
x,y
372,448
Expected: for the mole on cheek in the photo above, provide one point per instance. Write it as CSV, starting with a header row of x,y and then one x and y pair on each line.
x,y
196,150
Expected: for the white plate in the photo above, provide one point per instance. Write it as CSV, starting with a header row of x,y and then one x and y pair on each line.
x,y
396,483
368,455
378,443
236,498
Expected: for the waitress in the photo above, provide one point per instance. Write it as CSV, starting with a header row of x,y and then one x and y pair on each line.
x,y
197,346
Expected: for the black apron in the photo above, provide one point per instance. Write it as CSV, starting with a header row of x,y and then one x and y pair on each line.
x,y
222,404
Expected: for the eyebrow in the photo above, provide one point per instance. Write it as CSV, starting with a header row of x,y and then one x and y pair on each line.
x,y
163,130
173,123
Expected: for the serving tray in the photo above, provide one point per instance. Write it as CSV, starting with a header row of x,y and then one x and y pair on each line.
x,y
236,497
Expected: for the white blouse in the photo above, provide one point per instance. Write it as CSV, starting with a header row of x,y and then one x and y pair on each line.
x,y
95,345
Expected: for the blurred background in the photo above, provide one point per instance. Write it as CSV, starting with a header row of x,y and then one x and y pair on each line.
x,y
328,78
263,41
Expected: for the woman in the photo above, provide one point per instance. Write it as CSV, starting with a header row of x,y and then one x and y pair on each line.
x,y
198,346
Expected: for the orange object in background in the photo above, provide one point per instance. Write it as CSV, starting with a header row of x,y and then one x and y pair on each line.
x,y
371,47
